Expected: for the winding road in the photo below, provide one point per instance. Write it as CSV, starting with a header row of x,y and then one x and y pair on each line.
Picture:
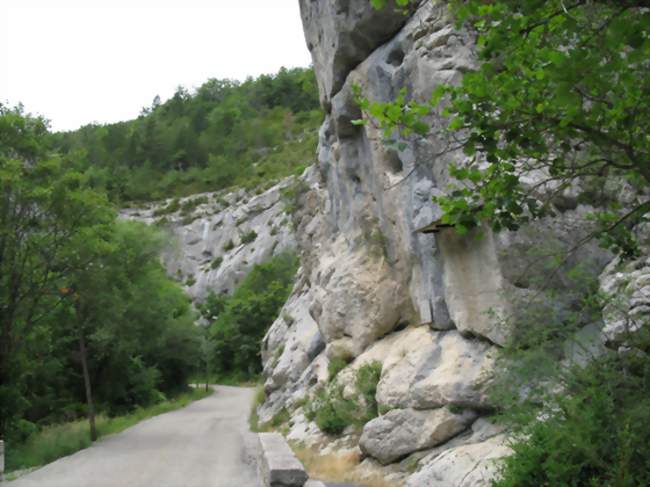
x,y
206,444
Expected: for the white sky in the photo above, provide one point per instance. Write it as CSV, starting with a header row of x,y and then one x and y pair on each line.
x,y
79,61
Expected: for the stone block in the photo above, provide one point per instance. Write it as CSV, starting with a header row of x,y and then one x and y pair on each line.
x,y
278,465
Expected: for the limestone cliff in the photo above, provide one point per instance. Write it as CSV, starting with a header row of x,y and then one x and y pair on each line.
x,y
216,238
371,288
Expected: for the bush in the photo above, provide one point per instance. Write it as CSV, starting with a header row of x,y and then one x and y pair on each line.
x,y
335,365
330,411
367,378
595,409
247,315
596,432
216,262
228,246
173,206
333,413
248,237
292,193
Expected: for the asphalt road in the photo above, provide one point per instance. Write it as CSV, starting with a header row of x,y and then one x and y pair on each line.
x,y
206,444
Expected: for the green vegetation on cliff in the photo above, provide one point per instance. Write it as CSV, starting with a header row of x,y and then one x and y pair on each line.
x,y
226,133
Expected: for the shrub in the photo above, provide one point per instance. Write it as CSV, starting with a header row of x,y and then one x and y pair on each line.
x,y
248,237
367,378
292,193
216,262
596,408
173,206
333,413
595,433
187,219
330,410
336,365
228,246
190,204
247,315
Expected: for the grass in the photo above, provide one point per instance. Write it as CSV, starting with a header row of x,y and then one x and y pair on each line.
x,y
339,468
56,441
253,419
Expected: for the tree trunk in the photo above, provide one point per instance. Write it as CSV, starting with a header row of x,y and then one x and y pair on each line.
x,y
87,386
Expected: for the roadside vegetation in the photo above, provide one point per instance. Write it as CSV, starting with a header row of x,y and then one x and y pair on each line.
x,y
225,134
59,440
333,412
90,323
238,323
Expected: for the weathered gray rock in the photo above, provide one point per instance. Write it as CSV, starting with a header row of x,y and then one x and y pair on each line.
x,y
449,370
423,369
340,34
278,465
628,287
198,238
473,465
403,431
366,271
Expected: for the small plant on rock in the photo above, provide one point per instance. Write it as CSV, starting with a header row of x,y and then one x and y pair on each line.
x,y
216,262
248,237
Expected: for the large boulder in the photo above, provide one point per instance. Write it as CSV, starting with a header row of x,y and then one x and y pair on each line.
x,y
403,431
473,465
429,369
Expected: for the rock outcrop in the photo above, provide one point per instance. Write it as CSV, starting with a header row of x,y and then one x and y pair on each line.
x,y
403,431
216,238
627,286
429,307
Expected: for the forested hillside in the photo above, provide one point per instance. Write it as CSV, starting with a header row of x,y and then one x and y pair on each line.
x,y
225,133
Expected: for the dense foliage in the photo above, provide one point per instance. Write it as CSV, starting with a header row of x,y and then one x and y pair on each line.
x,y
332,412
239,322
561,95
87,315
593,433
225,133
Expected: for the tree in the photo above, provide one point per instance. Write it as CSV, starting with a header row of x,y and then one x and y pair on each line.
x,y
562,93
245,317
45,216
87,312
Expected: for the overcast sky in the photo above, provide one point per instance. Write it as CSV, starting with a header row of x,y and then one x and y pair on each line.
x,y
79,61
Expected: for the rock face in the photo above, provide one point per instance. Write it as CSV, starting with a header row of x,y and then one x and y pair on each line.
x,y
472,465
403,431
340,34
212,244
372,288
628,287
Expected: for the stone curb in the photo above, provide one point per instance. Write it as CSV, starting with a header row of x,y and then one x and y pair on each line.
x,y
278,465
